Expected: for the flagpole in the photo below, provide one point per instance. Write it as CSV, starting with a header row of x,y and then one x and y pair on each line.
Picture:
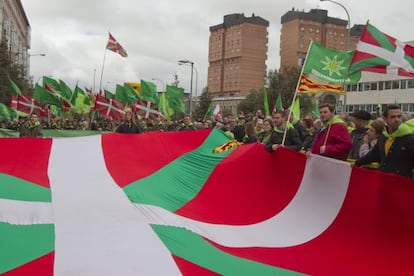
x,y
349,68
295,95
103,66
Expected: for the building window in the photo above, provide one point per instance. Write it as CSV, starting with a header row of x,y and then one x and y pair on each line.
x,y
381,85
354,87
405,107
395,84
403,84
374,86
410,83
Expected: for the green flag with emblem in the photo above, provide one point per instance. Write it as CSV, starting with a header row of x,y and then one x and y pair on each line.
x,y
326,69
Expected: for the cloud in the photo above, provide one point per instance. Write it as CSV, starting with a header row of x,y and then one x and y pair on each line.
x,y
156,34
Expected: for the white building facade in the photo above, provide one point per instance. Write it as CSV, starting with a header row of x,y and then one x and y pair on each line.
x,y
377,91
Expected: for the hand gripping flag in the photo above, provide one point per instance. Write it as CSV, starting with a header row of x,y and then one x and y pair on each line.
x,y
114,46
380,53
164,204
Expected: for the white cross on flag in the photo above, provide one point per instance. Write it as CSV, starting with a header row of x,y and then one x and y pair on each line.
x,y
114,46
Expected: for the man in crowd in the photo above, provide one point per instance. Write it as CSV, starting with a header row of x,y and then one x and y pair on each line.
x,y
239,130
187,124
292,139
128,125
361,119
304,134
395,148
333,140
32,127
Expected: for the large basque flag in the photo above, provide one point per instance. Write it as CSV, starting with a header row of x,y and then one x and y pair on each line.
x,y
169,204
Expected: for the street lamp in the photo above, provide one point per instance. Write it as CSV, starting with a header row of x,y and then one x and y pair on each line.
x,y
37,55
180,62
349,21
163,86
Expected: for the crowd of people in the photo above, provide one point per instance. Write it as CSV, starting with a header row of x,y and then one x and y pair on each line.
x,y
385,143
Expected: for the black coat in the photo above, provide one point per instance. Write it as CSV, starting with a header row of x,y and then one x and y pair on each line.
x,y
292,140
357,136
304,135
399,160
129,128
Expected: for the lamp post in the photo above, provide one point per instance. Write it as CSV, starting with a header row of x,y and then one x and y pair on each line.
x,y
163,86
349,22
180,62
196,84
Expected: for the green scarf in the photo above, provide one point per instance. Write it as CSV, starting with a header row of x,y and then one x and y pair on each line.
x,y
402,130
334,120
36,124
266,137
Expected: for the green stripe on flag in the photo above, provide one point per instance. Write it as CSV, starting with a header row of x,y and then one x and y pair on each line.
x,y
369,62
194,248
21,244
380,37
18,189
177,183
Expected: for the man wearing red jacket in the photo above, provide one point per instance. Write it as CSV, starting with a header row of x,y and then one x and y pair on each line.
x,y
333,140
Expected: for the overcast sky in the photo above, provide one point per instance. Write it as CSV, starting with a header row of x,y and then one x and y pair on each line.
x,y
156,34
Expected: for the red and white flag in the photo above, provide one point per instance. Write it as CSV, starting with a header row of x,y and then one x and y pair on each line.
x,y
66,105
114,46
217,113
109,108
26,104
148,110
165,203
380,53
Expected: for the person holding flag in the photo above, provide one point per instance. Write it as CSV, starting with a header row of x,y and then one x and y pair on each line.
x,y
395,148
333,140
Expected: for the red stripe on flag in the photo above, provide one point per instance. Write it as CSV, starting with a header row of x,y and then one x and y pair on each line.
x,y
160,149
231,205
372,234
188,268
17,159
42,266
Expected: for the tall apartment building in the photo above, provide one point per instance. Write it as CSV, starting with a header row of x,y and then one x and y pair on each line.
x,y
299,28
15,29
237,58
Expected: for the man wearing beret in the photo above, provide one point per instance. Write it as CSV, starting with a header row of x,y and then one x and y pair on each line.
x,y
361,120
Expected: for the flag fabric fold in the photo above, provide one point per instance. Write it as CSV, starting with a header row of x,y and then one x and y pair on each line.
x,y
266,102
179,208
175,96
15,89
